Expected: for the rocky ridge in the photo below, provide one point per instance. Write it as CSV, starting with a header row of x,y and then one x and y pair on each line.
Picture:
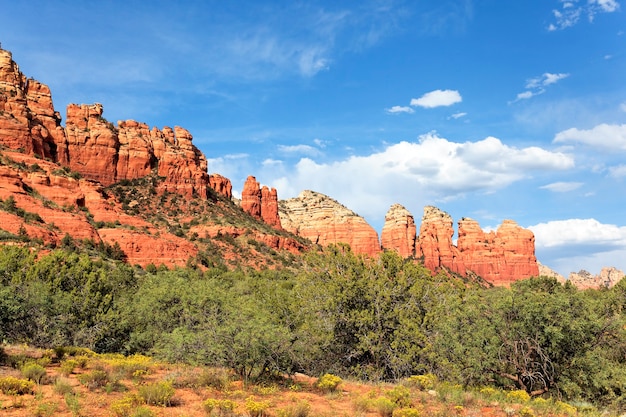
x,y
325,221
607,278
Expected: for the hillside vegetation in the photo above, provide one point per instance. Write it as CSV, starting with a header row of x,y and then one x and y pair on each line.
x,y
375,320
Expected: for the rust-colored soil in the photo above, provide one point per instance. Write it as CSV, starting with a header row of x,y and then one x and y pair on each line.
x,y
351,398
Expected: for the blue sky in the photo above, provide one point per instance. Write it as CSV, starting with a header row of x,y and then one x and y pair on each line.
x,y
486,109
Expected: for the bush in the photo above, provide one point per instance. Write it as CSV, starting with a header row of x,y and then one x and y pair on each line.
x,y
67,367
328,382
159,393
518,396
10,385
406,412
422,382
33,371
400,395
385,406
256,408
223,407
97,378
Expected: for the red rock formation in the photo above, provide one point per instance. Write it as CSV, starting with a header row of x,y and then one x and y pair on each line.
x,y
500,257
261,203
399,231
269,207
221,185
27,117
92,146
434,243
323,221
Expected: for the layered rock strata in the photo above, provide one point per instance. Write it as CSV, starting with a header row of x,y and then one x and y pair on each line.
x,y
607,278
399,231
325,221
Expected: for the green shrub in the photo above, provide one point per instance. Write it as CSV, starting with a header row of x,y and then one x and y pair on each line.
x,y
406,412
97,378
67,367
46,409
142,412
400,395
158,393
385,406
422,382
33,371
218,378
71,400
10,385
256,408
518,396
222,407
328,382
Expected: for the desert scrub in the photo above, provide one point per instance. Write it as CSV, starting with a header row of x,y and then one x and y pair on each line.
x,y
328,382
406,412
33,371
385,406
129,367
98,378
158,393
422,382
256,408
400,395
62,386
67,367
124,407
302,409
46,409
10,385
217,407
518,396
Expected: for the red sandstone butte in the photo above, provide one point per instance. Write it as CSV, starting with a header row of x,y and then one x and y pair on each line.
x,y
399,231
325,221
434,243
261,203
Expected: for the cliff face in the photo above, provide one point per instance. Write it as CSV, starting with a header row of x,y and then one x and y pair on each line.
x,y
499,257
323,221
28,120
94,147
261,203
607,278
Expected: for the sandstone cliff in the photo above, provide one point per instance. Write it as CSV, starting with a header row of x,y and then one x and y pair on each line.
x,y
94,147
324,221
261,203
499,257
607,278
399,231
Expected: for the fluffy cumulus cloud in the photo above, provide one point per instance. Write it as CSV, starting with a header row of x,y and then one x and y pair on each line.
x,y
399,109
571,11
604,136
562,187
618,171
437,98
433,168
574,244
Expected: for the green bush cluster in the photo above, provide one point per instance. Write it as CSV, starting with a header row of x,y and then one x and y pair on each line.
x,y
328,382
158,393
10,385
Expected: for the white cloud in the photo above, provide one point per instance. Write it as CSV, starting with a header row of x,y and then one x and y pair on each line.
x,y
399,109
433,168
299,149
605,136
458,115
588,232
622,106
571,11
537,85
437,98
562,187
618,171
